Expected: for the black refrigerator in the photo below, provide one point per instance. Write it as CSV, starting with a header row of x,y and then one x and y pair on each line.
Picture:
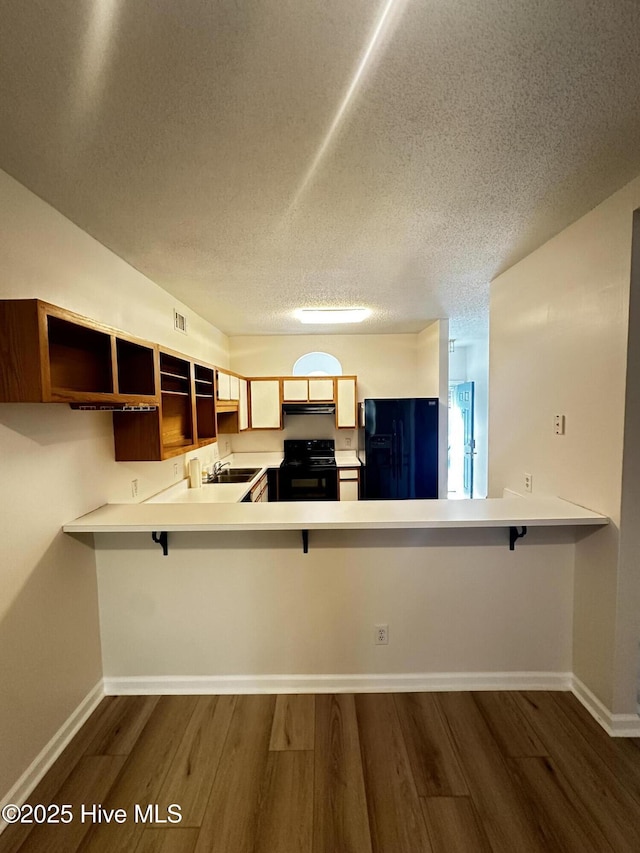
x,y
401,448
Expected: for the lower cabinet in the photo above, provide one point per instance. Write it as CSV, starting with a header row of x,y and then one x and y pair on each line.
x,y
348,484
260,492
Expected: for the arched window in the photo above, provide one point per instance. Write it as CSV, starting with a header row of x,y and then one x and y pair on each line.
x,y
317,364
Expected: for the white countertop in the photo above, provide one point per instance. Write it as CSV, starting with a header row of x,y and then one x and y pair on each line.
x,y
210,493
347,459
333,515
235,492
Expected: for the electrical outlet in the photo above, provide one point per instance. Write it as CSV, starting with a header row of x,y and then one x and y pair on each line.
x,y
134,488
528,483
175,469
558,424
347,441
226,448
382,635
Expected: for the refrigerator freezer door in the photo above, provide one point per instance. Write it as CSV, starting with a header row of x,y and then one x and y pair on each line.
x,y
401,443
381,450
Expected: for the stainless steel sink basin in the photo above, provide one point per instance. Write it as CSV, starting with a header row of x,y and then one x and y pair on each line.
x,y
233,475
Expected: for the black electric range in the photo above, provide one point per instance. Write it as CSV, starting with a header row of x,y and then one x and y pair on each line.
x,y
308,471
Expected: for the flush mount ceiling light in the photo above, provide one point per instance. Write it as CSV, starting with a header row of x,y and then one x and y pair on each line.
x,y
332,315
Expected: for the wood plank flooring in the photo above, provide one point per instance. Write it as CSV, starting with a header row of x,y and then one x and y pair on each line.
x,y
371,773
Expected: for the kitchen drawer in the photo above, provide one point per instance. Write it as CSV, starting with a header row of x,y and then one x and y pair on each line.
x,y
348,473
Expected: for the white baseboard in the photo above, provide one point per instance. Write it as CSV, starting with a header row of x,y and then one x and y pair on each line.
x,y
615,725
371,683
46,757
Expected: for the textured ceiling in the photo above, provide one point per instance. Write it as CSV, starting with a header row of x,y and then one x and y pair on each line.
x,y
253,156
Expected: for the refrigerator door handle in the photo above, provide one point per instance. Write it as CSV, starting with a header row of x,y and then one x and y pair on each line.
x,y
394,450
401,452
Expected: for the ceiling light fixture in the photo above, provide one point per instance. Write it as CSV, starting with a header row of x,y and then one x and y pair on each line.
x,y
332,315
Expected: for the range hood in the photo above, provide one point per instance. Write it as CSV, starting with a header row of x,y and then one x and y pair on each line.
x,y
308,408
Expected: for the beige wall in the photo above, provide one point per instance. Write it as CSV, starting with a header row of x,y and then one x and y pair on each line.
x,y
386,366
253,604
58,464
433,372
428,355
558,333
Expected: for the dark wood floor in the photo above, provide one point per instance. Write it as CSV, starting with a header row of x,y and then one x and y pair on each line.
x,y
399,773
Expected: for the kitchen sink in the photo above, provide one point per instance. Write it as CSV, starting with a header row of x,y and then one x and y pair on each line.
x,y
233,475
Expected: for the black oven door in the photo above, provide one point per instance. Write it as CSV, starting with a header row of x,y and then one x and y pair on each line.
x,y
308,484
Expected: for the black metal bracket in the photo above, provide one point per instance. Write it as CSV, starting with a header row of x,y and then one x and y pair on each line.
x,y
514,536
305,541
162,540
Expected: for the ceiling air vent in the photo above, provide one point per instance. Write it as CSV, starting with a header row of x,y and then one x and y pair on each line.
x,y
179,322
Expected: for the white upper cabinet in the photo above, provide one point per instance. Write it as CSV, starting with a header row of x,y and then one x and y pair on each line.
x,y
294,390
321,389
266,410
224,386
234,388
243,406
346,402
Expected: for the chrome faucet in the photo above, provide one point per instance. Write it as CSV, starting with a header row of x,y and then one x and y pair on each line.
x,y
217,468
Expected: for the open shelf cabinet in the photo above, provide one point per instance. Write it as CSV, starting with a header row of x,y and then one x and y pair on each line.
x,y
184,421
50,355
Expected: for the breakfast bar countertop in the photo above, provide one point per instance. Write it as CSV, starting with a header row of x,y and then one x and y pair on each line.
x,y
512,511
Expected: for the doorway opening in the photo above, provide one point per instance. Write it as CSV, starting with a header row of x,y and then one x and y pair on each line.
x,y
462,445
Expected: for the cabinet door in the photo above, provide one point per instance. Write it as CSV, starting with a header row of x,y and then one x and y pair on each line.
x,y
346,402
348,490
294,390
321,389
266,411
224,386
234,388
243,407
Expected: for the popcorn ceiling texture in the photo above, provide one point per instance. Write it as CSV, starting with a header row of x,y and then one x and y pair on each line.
x,y
180,135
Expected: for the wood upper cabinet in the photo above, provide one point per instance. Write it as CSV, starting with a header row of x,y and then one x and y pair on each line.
x,y
50,355
265,403
184,420
346,402
205,408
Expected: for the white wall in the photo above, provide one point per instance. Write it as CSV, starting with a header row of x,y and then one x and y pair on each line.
x,y
57,465
254,604
477,369
458,364
558,340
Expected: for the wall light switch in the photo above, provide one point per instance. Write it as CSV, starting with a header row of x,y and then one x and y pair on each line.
x,y
558,424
